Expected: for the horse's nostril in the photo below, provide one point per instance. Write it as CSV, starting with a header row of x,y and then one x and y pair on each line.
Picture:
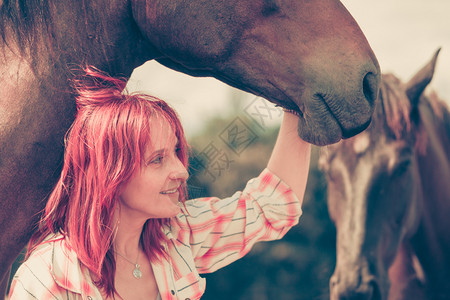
x,y
358,290
334,281
370,87
376,293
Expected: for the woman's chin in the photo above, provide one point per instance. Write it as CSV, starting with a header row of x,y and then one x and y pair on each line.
x,y
175,198
175,205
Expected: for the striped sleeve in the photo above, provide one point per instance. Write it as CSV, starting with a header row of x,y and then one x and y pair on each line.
x,y
221,231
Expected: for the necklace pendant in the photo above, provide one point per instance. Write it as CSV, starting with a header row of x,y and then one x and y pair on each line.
x,y
136,272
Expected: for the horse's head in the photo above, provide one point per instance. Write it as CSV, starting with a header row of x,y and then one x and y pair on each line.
x,y
309,56
374,190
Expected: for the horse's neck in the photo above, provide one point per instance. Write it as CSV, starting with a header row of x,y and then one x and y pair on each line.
x,y
432,241
434,162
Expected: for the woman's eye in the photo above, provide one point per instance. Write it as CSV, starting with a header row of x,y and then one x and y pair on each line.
x,y
157,160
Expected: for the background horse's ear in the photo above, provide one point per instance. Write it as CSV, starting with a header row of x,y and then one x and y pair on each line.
x,y
417,84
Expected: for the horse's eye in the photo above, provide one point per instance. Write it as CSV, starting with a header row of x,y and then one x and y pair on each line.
x,y
396,221
402,167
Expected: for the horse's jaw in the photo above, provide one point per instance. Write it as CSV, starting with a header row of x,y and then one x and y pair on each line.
x,y
328,110
330,107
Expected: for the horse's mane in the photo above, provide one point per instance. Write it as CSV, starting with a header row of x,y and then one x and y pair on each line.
x,y
395,108
441,114
439,108
26,19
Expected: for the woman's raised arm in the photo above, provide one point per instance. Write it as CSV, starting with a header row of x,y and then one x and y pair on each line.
x,y
290,156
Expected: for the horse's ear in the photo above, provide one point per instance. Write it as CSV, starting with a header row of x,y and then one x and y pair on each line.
x,y
417,84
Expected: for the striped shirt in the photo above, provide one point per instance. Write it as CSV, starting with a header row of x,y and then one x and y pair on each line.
x,y
207,235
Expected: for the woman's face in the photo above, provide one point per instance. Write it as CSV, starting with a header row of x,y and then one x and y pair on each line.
x,y
153,191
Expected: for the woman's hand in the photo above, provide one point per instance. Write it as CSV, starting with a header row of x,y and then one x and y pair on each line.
x,y
290,156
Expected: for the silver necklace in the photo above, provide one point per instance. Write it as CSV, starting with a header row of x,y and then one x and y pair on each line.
x,y
136,272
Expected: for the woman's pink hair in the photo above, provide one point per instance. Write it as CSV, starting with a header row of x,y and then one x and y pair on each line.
x,y
104,147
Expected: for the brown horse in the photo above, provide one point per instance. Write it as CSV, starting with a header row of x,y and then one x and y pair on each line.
x,y
309,56
389,197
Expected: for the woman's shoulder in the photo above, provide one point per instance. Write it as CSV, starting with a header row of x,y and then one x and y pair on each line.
x,y
34,277
42,255
52,269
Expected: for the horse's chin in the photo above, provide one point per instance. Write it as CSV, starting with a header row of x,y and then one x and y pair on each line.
x,y
326,131
319,133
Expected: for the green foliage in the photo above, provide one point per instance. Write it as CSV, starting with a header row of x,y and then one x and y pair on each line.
x,y
298,266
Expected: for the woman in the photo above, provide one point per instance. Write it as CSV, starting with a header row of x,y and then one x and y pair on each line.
x,y
117,225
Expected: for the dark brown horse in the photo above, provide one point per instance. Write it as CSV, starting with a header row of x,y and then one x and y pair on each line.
x,y
389,197
309,56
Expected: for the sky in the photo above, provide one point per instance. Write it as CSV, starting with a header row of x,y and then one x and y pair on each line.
x,y
404,34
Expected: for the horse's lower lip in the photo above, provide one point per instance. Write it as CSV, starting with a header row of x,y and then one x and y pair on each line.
x,y
319,131
348,133
322,125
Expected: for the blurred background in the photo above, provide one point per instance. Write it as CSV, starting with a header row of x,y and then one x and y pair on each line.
x,y
296,267
404,35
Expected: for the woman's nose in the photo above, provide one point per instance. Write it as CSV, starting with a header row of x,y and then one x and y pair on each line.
x,y
179,172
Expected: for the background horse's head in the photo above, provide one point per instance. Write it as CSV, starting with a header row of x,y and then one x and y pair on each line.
x,y
374,190
309,56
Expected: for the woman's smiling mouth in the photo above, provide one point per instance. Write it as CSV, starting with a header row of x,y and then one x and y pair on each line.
x,y
173,191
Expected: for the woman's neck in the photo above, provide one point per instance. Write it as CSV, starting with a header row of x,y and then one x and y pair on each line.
x,y
126,241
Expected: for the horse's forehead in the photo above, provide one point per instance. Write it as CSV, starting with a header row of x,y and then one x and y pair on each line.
x,y
358,171
363,152
350,150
